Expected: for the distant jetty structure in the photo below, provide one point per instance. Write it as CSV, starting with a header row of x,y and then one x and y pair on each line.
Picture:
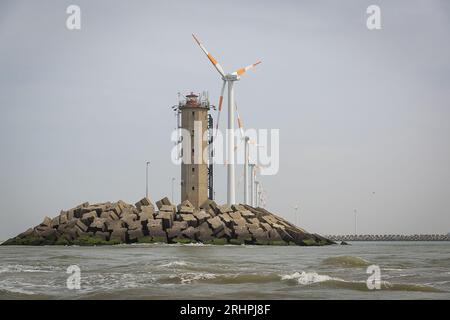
x,y
390,237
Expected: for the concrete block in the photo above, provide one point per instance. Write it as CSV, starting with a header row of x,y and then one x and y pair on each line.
x,y
201,216
157,232
47,233
204,232
129,218
105,215
154,223
237,207
71,233
148,210
247,214
114,224
167,219
168,208
224,233
190,233
63,217
266,226
81,225
284,235
240,222
274,235
210,205
163,201
70,215
46,222
235,215
253,221
269,219
117,209
252,226
180,225
166,201
242,233
173,232
190,219
99,224
103,235
133,235
259,234
88,217
224,208
113,215
226,219
145,216
216,224
119,234
143,202
187,203
55,222
185,209
134,225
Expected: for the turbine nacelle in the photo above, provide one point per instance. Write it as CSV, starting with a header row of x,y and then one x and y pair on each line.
x,y
231,77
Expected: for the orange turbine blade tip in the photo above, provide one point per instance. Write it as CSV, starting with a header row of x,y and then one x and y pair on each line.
x,y
211,58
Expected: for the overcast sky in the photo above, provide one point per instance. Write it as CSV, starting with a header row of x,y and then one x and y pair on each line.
x,y
363,115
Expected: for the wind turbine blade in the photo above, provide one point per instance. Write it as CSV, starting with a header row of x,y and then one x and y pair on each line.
x,y
244,70
210,57
220,108
239,121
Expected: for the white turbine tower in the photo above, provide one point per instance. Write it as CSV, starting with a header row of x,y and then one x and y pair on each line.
x,y
228,78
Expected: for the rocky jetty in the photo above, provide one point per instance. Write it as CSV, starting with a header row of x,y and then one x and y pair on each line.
x,y
120,222
389,237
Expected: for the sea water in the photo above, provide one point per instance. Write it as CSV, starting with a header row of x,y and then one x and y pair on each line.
x,y
407,270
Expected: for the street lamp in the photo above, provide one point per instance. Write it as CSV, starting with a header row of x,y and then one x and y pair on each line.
x,y
296,215
355,223
146,179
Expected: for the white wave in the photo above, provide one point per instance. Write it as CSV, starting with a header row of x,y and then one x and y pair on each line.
x,y
392,269
26,268
175,264
305,278
190,277
16,290
194,244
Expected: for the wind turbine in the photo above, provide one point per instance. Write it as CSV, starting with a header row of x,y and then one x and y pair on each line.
x,y
227,78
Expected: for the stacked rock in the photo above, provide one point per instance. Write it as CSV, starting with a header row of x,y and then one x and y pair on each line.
x,y
119,222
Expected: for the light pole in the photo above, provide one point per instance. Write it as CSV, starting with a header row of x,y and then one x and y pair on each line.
x,y
173,180
296,215
146,178
252,184
355,222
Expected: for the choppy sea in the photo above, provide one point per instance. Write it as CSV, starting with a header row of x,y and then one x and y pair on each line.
x,y
407,270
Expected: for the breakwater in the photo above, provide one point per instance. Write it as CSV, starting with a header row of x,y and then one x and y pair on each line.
x,y
389,237
119,222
